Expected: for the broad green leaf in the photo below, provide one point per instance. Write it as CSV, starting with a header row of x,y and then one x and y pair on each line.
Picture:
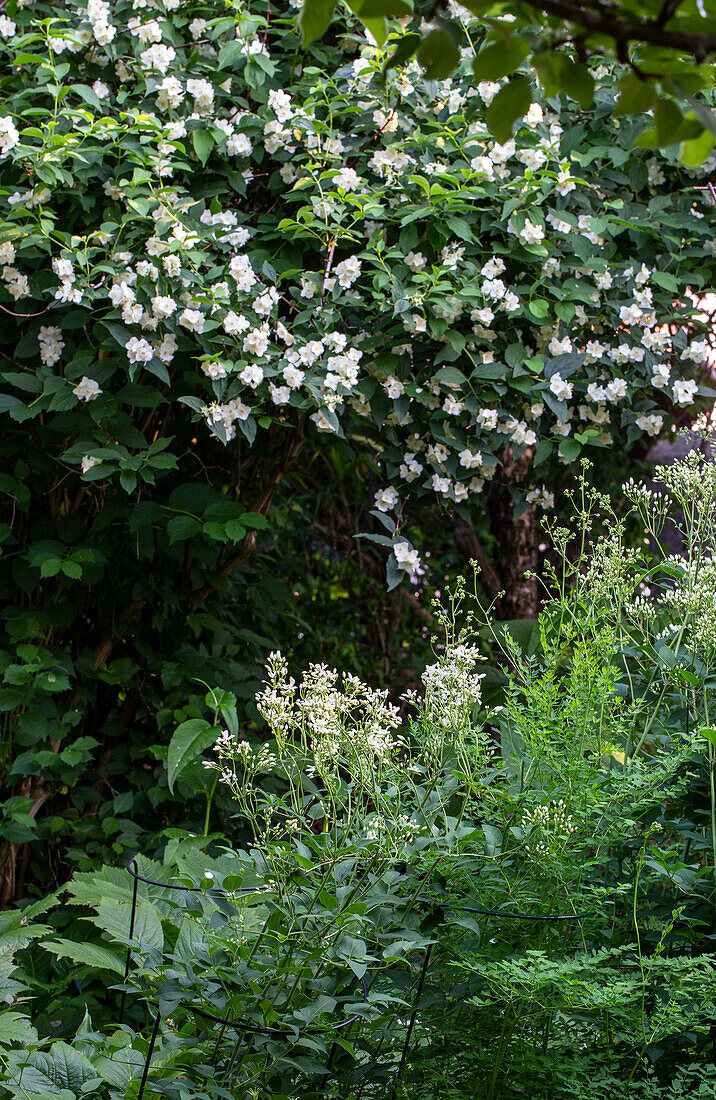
x,y
451,376
667,120
635,96
203,142
404,50
314,19
578,83
493,840
119,1067
438,54
88,94
60,1068
190,739
180,528
379,9
694,152
191,942
499,59
15,1028
378,27
114,918
549,68
570,449
510,103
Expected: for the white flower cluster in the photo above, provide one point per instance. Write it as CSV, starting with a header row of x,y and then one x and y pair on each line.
x,y
452,688
342,721
364,315
231,751
391,834
547,828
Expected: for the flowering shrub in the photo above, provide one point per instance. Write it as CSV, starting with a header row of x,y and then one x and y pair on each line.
x,y
195,219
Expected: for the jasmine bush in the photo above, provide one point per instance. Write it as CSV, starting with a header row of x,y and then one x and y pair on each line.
x,y
222,258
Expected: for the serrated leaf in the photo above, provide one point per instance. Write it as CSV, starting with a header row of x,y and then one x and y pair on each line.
x,y
55,1070
180,528
114,918
87,954
190,942
15,1028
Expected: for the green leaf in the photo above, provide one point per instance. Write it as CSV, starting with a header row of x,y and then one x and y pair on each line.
x,y
114,917
438,54
378,27
87,954
180,528
694,152
493,840
88,94
460,227
203,142
499,59
549,68
315,17
510,103
394,574
254,519
50,567
379,9
666,279
570,449
230,53
52,1071
404,50
15,1028
667,120
578,83
635,96
190,739
190,942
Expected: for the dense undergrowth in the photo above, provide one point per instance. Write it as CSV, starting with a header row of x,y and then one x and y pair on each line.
x,y
523,867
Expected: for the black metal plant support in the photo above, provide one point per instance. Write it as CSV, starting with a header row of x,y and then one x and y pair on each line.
x,y
240,1027
429,950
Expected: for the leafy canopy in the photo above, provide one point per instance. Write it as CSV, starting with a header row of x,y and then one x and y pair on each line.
x,y
669,48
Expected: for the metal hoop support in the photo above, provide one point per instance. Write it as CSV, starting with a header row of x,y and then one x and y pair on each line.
x,y
235,1025
429,950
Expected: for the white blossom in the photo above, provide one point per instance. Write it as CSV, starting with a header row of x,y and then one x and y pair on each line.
x,y
87,389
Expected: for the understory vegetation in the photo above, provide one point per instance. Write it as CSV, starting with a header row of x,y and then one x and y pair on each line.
x,y
509,881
